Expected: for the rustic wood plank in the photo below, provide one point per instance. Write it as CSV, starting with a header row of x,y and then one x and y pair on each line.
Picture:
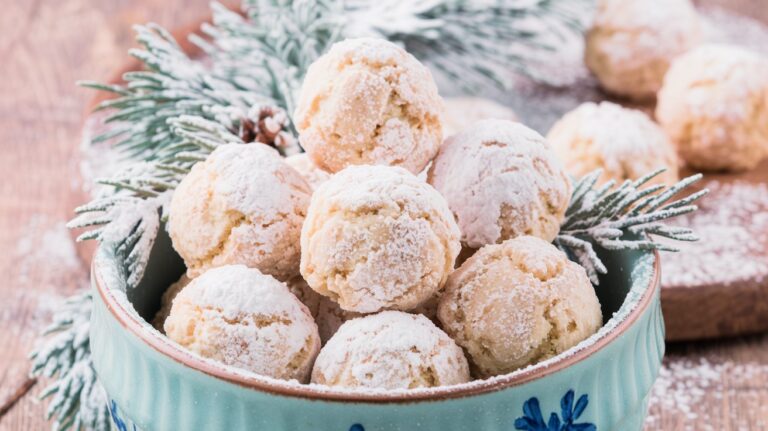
x,y
46,47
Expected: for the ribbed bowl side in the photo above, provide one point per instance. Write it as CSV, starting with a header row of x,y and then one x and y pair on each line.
x,y
154,392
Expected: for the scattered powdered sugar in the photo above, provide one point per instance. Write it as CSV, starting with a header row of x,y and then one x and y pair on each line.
x,y
45,243
684,385
99,159
732,222
46,266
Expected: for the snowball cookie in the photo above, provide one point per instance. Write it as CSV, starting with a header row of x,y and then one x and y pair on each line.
x,y
632,42
367,101
377,237
327,314
390,350
167,300
501,180
241,317
463,112
714,107
624,143
307,168
244,205
516,303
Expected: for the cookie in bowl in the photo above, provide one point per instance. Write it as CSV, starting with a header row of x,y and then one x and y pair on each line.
x,y
243,318
376,238
368,101
242,205
517,303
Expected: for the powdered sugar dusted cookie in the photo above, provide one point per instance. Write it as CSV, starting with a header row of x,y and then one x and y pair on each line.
x,y
368,101
241,317
304,165
242,205
327,314
632,43
624,143
463,112
501,180
377,237
714,107
517,303
167,301
390,350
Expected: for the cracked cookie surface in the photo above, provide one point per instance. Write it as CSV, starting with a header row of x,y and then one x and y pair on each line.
x,y
368,101
243,318
516,303
501,180
390,350
377,237
242,205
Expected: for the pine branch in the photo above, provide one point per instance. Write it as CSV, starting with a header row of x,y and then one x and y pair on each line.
x,y
605,216
475,43
77,399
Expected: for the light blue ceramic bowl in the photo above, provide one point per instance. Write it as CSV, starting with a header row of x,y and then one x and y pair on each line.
x,y
154,384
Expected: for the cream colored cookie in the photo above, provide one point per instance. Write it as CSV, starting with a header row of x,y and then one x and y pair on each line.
x,y
390,350
243,318
632,42
624,143
516,303
242,205
501,180
367,101
463,112
166,301
377,237
304,165
714,107
327,314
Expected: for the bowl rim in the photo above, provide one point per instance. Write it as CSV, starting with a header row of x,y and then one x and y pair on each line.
x,y
130,321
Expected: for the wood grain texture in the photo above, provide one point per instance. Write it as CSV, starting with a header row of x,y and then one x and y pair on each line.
x,y
699,310
46,47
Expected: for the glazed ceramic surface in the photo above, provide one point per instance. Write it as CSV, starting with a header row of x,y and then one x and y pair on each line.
x,y
154,384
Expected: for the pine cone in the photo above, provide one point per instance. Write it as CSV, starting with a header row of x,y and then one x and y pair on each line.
x,y
267,125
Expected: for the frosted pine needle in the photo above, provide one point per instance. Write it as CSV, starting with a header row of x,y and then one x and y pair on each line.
x,y
604,216
77,400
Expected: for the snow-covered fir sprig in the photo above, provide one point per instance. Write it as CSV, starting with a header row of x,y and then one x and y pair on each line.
x,y
605,215
474,42
270,49
77,400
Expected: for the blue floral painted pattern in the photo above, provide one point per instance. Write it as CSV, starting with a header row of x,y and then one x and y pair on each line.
x,y
117,420
533,420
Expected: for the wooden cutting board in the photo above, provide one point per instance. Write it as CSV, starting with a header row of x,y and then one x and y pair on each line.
x,y
707,292
719,286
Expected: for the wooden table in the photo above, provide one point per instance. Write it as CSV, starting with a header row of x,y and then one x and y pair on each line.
x,y
46,47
